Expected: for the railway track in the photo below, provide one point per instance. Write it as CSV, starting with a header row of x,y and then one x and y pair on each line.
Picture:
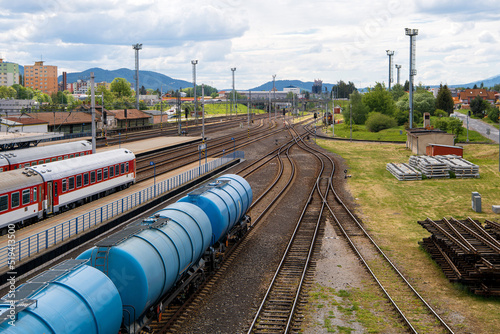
x,y
172,321
281,308
414,311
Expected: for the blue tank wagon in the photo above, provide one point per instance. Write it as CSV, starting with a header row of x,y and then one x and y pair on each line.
x,y
69,298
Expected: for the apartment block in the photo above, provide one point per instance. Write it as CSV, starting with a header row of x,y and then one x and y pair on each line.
x,y
41,77
9,73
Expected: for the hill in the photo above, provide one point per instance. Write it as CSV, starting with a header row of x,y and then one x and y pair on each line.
x,y
280,84
148,79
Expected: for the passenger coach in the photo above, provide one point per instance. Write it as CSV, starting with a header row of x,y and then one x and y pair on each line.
x,y
32,156
31,193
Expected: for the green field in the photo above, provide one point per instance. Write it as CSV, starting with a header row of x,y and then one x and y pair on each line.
x,y
393,134
391,208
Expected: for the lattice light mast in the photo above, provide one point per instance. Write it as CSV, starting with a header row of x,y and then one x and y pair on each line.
x,y
398,67
412,33
390,54
137,47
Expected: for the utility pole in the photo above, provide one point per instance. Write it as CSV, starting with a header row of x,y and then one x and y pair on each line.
x,y
137,47
274,96
234,92
194,62
390,54
92,104
161,108
412,33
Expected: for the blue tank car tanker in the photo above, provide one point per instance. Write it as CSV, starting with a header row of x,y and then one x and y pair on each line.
x,y
69,298
139,268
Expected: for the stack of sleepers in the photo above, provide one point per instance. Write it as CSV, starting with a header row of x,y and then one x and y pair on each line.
x,y
461,167
431,167
404,172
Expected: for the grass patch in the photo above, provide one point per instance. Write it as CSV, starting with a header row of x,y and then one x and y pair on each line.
x,y
390,210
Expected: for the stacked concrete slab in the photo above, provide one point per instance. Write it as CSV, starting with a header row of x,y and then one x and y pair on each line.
x,y
404,172
431,167
461,167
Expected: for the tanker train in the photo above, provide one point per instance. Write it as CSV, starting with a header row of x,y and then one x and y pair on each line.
x,y
125,280
31,193
32,156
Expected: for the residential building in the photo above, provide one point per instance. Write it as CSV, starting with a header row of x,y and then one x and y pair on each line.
x,y
9,73
467,95
41,77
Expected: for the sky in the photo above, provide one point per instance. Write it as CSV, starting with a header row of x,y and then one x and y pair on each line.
x,y
457,41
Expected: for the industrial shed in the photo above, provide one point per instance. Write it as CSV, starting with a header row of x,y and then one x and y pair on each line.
x,y
417,140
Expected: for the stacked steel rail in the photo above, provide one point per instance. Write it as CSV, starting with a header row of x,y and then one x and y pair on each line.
x,y
467,252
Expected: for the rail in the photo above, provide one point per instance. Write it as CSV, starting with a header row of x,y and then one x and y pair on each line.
x,y
16,251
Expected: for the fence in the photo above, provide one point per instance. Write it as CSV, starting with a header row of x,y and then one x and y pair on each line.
x,y
38,242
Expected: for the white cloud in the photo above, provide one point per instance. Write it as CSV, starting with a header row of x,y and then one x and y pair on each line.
x,y
328,40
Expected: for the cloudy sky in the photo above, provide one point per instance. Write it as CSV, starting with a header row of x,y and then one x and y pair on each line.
x,y
457,42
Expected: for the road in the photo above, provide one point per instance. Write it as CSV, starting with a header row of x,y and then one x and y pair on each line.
x,y
479,126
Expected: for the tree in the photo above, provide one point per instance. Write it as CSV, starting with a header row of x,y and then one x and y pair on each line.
x,y
455,125
143,91
444,100
478,106
407,86
7,92
342,90
121,88
475,86
358,110
380,100
397,92
423,101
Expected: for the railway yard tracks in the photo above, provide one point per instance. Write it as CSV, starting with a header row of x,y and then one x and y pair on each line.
x,y
280,309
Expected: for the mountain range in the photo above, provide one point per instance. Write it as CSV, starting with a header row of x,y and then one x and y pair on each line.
x,y
154,80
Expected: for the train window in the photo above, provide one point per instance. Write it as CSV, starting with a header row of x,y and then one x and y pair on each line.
x,y
117,171
4,202
122,169
126,167
33,163
64,185
65,157
55,190
1,169
40,162
105,173
111,171
14,200
34,195
92,176
26,196
85,179
78,181
71,183
99,175
71,156
54,159
59,158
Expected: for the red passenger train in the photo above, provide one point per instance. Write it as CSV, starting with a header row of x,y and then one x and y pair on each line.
x,y
32,156
29,194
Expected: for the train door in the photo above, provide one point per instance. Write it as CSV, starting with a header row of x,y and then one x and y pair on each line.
x,y
49,197
40,198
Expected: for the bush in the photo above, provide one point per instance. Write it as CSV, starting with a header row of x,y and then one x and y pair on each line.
x,y
440,113
377,122
493,113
